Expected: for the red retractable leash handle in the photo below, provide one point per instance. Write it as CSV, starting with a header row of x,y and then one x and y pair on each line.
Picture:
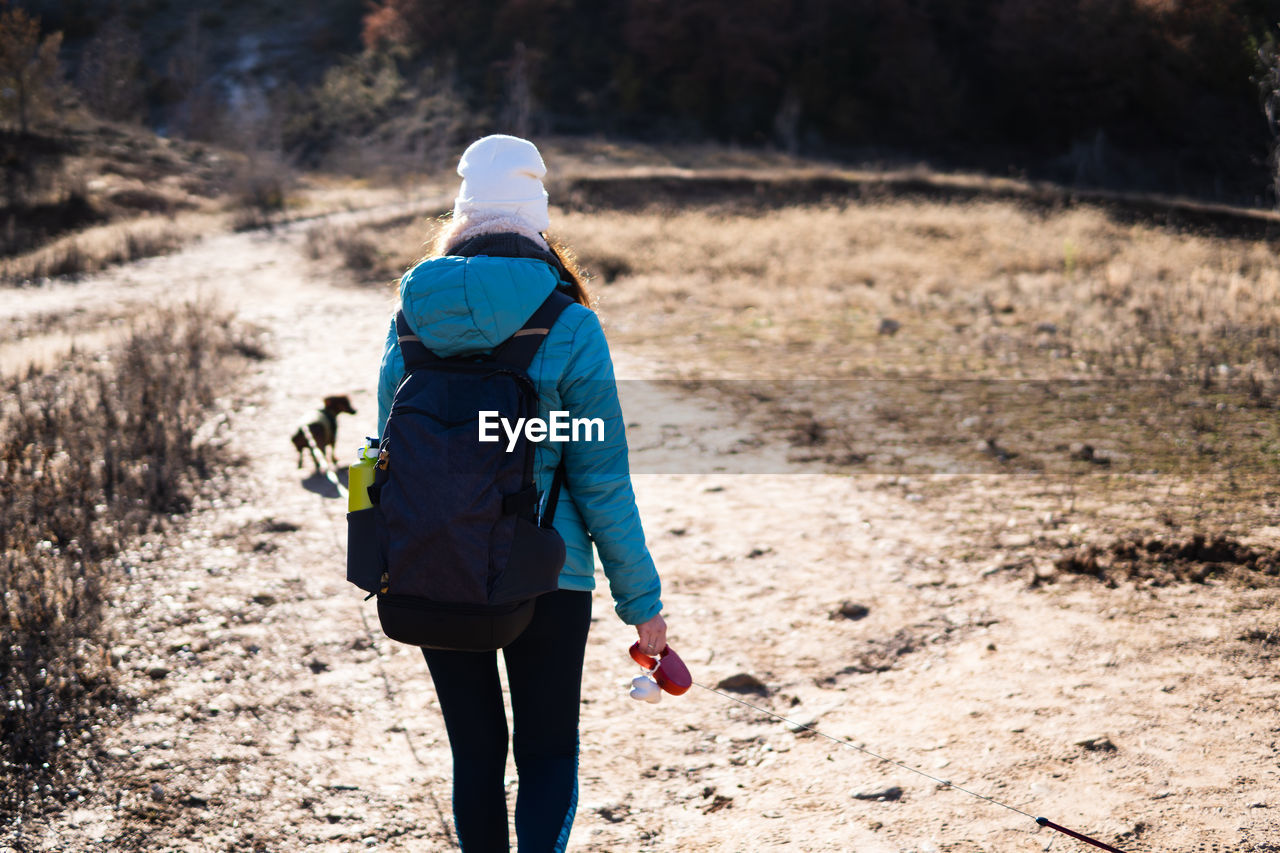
x,y
667,669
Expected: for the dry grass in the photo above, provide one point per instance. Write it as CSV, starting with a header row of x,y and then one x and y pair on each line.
x,y
979,289
1130,370
375,252
93,453
97,248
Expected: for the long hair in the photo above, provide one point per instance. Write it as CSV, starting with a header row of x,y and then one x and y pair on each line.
x,y
570,273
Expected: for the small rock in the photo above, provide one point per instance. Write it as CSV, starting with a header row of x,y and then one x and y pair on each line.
x,y
720,802
220,703
992,448
196,801
1083,452
158,671
1086,453
1101,743
1047,328
1017,540
888,326
799,728
1045,572
884,795
157,792
614,813
743,682
266,599
851,610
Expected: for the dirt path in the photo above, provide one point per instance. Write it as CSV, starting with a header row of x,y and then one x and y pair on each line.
x,y
275,717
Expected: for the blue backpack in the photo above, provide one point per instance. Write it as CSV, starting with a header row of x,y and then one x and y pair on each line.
x,y
458,544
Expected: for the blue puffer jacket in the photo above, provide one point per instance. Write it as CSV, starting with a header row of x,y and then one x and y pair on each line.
x,y
467,305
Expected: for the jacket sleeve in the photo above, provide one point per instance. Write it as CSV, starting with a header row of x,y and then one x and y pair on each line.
x,y
598,477
389,376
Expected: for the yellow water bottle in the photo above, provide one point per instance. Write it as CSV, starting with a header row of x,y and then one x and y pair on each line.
x,y
360,478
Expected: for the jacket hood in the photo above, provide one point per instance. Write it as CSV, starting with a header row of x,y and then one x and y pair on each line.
x,y
460,305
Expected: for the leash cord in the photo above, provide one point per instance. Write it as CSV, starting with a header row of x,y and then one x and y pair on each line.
x,y
328,470
944,782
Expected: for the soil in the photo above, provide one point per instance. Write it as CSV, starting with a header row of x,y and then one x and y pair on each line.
x,y
1136,706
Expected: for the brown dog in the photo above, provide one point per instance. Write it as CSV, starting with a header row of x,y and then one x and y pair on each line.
x,y
323,429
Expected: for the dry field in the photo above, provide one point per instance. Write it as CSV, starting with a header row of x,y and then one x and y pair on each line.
x,y
1120,375
1116,377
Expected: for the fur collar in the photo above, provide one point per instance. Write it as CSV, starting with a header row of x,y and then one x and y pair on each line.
x,y
480,224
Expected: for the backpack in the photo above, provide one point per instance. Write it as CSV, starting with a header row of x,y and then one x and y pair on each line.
x,y
458,544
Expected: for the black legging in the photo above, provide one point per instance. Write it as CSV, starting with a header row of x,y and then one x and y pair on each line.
x,y
544,672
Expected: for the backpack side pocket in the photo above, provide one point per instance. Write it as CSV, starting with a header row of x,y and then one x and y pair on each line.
x,y
533,567
365,557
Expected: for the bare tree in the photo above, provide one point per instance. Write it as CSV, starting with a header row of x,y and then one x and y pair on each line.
x,y
1268,80
786,123
29,73
109,77
518,110
199,111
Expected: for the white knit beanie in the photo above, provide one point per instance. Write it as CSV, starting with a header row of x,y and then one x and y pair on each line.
x,y
502,176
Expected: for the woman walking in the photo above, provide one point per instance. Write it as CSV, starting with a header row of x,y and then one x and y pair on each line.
x,y
490,269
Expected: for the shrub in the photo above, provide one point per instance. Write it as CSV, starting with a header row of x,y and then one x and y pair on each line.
x,y
90,454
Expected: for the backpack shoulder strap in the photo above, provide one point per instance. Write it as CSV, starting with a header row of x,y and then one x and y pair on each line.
x,y
518,350
412,349
553,496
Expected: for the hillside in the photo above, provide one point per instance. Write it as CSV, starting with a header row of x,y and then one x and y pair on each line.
x,y
1046,91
